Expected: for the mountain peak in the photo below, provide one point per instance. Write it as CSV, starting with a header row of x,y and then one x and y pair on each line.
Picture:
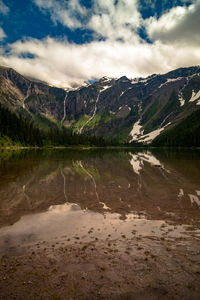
x,y
139,109
124,79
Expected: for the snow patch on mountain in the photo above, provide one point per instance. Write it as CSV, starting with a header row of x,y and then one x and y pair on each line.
x,y
149,137
170,80
105,78
136,132
134,80
195,96
181,100
143,80
105,87
122,93
129,108
180,93
138,136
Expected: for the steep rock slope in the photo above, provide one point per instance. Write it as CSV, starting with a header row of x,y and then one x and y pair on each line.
x,y
137,109
128,110
33,100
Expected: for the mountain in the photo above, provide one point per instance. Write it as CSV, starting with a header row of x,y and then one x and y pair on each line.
x,y
35,101
155,108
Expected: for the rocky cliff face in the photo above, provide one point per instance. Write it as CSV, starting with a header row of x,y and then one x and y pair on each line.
x,y
30,98
126,109
137,109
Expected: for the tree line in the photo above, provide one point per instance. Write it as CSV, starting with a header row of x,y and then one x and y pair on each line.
x,y
24,132
185,134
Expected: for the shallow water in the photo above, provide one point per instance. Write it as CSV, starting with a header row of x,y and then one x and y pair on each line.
x,y
81,196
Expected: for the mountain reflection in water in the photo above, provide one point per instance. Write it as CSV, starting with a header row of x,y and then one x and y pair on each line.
x,y
67,193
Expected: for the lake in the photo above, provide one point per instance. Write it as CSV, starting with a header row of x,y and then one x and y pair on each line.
x,y
115,201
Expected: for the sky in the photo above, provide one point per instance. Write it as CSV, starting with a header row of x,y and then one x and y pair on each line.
x,y
68,42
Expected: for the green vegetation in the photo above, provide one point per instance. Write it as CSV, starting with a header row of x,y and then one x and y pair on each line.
x,y
150,112
120,134
44,123
5,141
185,134
193,85
101,118
40,121
15,130
18,130
157,112
171,107
77,126
97,120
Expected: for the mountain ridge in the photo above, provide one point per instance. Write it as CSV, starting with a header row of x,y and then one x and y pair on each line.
x,y
128,110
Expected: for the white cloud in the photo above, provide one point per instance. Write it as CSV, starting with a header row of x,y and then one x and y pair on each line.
x,y
174,43
3,8
115,21
106,18
67,13
179,25
120,20
62,64
2,34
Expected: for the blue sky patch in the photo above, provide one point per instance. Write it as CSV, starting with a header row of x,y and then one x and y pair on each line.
x,y
85,39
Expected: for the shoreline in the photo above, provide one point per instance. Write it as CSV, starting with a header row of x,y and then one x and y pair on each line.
x,y
95,147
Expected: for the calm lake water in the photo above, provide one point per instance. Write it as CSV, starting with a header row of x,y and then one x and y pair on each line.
x,y
83,195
